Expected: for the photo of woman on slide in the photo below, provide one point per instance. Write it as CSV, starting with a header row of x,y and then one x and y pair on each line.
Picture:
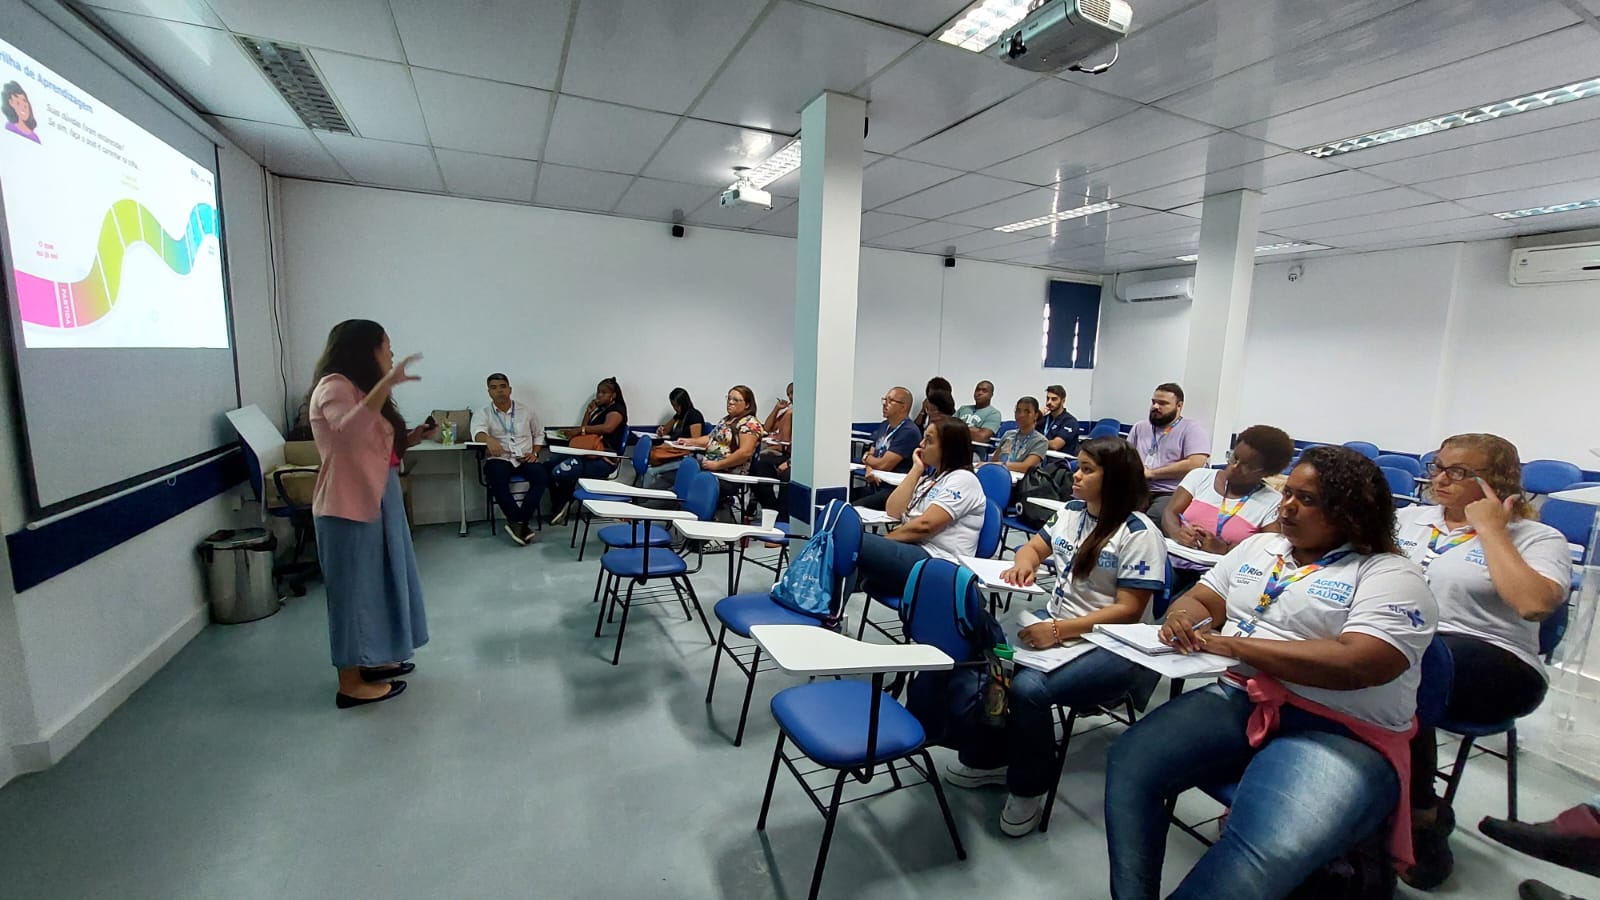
x,y
19,111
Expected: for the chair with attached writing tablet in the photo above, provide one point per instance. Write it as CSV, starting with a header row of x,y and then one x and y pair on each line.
x,y
1575,521
580,495
639,564
1546,476
996,481
1401,485
282,476
1397,461
741,612
1365,448
1105,428
988,545
519,486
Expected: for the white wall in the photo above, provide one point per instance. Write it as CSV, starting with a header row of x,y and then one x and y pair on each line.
x,y
1399,347
558,300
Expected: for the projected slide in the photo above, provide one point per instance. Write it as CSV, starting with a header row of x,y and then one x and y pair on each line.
x,y
113,234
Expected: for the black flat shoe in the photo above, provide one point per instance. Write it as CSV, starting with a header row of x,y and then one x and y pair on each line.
x,y
345,701
388,672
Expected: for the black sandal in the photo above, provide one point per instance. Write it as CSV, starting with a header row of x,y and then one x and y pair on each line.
x,y
345,701
388,672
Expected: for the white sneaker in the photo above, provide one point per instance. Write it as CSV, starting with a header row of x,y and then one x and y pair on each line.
x,y
1021,815
559,517
967,777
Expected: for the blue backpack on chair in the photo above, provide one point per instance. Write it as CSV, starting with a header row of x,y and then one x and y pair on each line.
x,y
943,607
807,585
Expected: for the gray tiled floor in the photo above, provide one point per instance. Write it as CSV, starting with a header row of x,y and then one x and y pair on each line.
x,y
521,764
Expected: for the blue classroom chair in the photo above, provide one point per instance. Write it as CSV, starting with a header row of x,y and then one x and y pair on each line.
x,y
1365,448
1398,461
1402,485
988,545
1546,476
1105,428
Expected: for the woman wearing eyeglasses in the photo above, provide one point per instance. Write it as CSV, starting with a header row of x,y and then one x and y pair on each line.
x,y
1496,572
1329,623
1214,510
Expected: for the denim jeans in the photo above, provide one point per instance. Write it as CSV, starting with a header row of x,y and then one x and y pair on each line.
x,y
565,472
1308,795
1027,746
498,473
882,565
662,477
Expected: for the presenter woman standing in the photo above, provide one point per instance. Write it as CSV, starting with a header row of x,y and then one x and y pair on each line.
x,y
375,615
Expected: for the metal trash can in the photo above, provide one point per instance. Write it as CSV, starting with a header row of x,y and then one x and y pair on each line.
x,y
239,580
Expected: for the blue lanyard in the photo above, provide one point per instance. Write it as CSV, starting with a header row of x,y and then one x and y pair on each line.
x,y
510,430
1012,446
882,444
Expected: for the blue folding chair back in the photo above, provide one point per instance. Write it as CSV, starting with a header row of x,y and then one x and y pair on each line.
x,y
943,607
1575,521
1402,485
641,457
996,481
989,532
1398,461
1365,448
687,470
1105,428
704,492
1546,476
1433,692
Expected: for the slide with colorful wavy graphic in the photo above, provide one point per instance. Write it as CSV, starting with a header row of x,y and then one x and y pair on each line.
x,y
114,234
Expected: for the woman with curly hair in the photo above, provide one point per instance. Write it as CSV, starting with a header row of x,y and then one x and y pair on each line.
x,y
1329,623
1495,572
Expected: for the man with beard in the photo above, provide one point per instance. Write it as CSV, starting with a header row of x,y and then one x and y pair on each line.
x,y
1170,445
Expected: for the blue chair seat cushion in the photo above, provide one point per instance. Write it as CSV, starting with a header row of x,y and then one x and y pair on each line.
x,y
1017,524
1476,729
742,611
630,563
623,536
827,720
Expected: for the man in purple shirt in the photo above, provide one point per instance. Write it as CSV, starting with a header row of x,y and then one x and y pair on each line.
x,y
1170,445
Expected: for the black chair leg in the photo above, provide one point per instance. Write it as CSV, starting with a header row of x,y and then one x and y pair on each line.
x,y
627,601
598,579
772,779
695,599
716,660
583,544
749,688
605,605
1511,774
944,806
1456,771
831,817
1061,765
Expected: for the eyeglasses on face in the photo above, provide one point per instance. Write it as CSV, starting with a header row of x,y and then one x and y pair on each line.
x,y
1451,473
1237,462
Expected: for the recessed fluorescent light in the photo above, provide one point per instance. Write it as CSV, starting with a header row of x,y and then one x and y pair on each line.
x,y
775,166
1062,216
1271,249
1552,97
1547,210
982,23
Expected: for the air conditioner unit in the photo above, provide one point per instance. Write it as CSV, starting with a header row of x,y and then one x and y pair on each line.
x,y
1556,264
1152,291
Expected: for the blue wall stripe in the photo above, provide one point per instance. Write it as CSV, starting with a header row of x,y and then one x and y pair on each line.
x,y
43,553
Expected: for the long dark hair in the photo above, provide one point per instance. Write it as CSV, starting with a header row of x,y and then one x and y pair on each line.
x,y
681,404
955,446
610,381
1123,490
12,89
1355,497
352,351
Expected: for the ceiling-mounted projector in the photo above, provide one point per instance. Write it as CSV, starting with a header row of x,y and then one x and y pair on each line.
x,y
743,193
1059,33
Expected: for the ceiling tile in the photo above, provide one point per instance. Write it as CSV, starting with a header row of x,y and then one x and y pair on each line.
x,y
1492,130
1482,226
795,54
705,152
968,244
283,150
1042,114
1216,37
1219,152
385,163
476,175
922,17
207,65
1029,205
505,40
192,12
1414,38
1553,195
1105,229
362,27
579,188
1360,205
672,48
376,97
1280,169
785,221
1138,133
604,136
1337,231
1013,249
482,116
891,178
1321,187
955,195
877,224
1551,60
926,233
662,201
1490,155
742,216
931,88
1513,178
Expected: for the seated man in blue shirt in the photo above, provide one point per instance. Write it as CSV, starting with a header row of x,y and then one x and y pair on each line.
x,y
982,419
893,442
1058,426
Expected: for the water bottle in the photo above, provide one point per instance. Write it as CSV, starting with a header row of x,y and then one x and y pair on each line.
x,y
447,432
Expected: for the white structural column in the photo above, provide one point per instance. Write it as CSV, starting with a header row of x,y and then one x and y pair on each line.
x,y
1212,375
828,259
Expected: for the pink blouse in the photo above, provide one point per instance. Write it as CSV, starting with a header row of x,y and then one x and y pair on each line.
x,y
357,448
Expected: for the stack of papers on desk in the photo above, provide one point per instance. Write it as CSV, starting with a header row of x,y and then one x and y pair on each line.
x,y
1141,636
1193,554
1042,660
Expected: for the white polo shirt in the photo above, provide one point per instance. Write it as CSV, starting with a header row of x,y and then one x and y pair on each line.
x,y
1469,604
960,494
1382,595
1135,557
514,429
